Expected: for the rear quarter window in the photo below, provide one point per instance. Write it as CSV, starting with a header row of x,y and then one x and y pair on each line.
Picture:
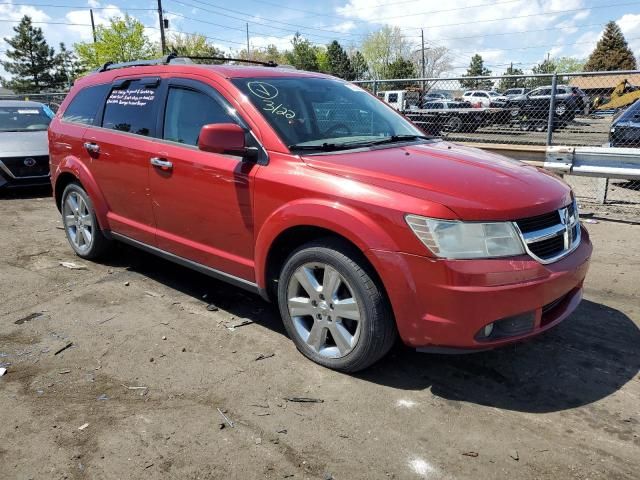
x,y
85,105
132,108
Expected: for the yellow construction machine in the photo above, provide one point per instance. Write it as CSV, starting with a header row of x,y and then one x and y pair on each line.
x,y
622,96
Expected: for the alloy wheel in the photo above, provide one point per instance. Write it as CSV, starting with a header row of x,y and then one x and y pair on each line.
x,y
324,311
78,221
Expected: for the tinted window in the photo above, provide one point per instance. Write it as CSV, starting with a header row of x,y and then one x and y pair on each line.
x,y
187,111
84,106
131,109
393,97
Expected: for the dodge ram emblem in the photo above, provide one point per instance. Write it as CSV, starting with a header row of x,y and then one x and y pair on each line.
x,y
29,162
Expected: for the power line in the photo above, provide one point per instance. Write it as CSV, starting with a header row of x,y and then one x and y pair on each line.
x,y
343,17
49,5
270,20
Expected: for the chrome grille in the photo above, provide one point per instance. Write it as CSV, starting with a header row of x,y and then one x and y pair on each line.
x,y
549,237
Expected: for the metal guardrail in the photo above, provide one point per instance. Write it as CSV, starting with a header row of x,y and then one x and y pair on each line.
x,y
594,161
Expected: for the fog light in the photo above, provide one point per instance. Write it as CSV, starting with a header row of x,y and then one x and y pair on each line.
x,y
488,329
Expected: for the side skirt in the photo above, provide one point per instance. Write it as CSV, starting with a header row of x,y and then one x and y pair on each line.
x,y
211,272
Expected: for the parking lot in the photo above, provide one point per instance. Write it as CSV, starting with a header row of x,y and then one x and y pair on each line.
x,y
118,369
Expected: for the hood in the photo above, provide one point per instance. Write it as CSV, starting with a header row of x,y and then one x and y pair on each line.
x,y
18,144
474,184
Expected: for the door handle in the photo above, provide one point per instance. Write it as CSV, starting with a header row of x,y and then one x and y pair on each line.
x,y
162,163
92,147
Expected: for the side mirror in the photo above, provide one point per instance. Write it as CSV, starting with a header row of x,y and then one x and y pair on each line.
x,y
227,139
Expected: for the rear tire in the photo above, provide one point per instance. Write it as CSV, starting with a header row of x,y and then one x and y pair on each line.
x,y
80,223
333,308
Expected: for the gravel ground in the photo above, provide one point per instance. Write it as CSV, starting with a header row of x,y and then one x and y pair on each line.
x,y
565,405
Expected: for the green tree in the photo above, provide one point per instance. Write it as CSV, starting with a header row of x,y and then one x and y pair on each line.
x,y
123,40
383,47
546,66
339,62
66,68
401,68
569,64
477,69
359,66
193,45
322,57
303,55
270,53
611,53
506,83
30,59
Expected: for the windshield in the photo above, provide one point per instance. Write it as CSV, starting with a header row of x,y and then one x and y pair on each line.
x,y
327,114
21,119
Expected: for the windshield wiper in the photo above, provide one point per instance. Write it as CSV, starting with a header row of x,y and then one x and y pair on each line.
x,y
325,147
397,138
330,147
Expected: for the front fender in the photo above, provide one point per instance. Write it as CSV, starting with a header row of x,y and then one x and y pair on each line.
x,y
74,166
352,224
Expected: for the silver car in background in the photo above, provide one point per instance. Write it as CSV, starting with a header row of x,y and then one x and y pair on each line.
x,y
24,152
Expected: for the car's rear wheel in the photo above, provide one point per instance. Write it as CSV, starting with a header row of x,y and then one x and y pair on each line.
x,y
453,124
80,223
333,308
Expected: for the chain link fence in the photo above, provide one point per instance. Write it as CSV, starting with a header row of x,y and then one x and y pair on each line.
x,y
521,115
53,100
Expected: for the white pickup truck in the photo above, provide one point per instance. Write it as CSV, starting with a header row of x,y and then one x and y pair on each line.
x,y
401,99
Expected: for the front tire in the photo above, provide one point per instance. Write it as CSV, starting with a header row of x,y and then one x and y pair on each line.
x,y
333,308
80,223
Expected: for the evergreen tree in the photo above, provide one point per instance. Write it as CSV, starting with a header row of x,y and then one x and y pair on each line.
x,y
339,63
507,83
66,68
359,66
611,52
401,68
477,69
303,55
30,59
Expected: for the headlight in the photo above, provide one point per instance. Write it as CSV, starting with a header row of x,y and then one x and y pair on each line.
x,y
453,239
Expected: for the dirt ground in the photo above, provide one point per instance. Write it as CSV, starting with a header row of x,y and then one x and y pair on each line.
x,y
564,406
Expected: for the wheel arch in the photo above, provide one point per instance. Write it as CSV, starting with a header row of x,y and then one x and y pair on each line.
x,y
71,170
281,234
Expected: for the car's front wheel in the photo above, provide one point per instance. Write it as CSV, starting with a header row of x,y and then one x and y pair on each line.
x,y
80,223
333,308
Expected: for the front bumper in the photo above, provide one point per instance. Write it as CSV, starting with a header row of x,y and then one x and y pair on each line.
x,y
445,303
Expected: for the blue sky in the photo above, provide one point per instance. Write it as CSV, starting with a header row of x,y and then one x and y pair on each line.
x,y
502,31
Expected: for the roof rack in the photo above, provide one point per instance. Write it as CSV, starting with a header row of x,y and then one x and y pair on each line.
x,y
179,59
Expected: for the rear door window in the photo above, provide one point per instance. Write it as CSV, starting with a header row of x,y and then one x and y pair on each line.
x,y
84,106
187,112
131,107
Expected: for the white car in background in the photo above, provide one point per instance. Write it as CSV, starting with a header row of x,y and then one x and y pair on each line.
x,y
481,98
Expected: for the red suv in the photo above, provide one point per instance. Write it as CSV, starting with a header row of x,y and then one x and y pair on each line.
x,y
313,193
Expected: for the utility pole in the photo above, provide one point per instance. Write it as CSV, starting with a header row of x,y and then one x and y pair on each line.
x,y
248,54
424,70
163,43
93,26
